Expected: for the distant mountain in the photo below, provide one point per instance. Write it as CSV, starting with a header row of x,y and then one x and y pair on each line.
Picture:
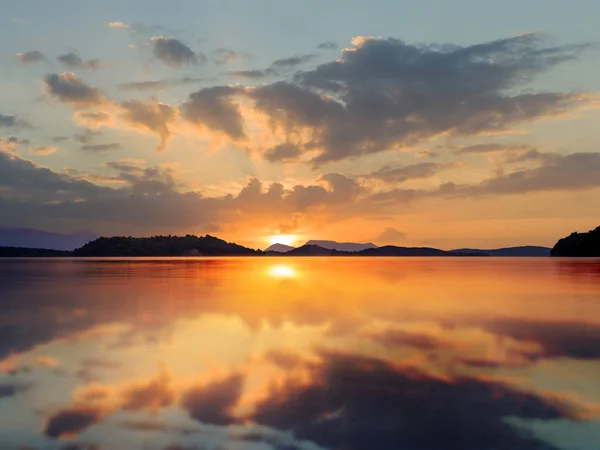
x,y
315,250
279,248
164,246
21,252
388,250
526,251
341,246
31,238
579,244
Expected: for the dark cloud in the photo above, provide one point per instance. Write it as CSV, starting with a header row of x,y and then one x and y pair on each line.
x,y
98,148
215,109
8,390
86,136
155,117
72,421
385,94
530,155
175,53
13,121
492,148
357,402
283,152
74,61
31,56
143,86
571,172
327,46
59,139
212,403
292,62
255,74
8,121
81,446
401,174
67,88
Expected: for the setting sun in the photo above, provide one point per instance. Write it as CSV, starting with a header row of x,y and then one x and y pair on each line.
x,y
285,239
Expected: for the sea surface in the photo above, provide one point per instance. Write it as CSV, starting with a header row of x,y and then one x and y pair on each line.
x,y
279,353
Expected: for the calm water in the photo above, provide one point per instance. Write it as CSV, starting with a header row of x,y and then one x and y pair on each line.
x,y
304,354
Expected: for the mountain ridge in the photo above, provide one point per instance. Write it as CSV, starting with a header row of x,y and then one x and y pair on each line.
x,y
22,237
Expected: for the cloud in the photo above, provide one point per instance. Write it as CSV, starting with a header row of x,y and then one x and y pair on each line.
x,y
328,46
214,108
143,86
43,150
175,53
384,94
385,406
152,116
570,172
117,24
86,136
31,56
93,118
8,121
98,148
71,421
292,62
390,236
8,390
254,74
68,88
389,174
491,148
74,61
212,403
283,152
227,55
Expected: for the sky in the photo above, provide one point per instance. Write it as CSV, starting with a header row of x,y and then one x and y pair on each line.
x,y
435,123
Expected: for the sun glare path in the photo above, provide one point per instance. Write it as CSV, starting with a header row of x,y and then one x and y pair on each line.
x,y
282,271
285,239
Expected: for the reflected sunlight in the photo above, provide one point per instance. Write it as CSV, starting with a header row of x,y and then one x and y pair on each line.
x,y
282,271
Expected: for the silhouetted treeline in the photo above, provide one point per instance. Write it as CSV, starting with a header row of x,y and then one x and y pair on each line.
x,y
21,252
579,244
163,246
388,250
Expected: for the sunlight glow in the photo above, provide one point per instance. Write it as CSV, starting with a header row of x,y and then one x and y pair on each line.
x,y
282,271
285,239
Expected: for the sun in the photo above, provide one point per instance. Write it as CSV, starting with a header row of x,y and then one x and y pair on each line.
x,y
285,239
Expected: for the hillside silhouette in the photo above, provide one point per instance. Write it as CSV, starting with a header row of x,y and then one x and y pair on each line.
x,y
164,246
578,245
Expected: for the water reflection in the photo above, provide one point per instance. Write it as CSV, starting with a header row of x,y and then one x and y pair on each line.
x,y
282,271
341,354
